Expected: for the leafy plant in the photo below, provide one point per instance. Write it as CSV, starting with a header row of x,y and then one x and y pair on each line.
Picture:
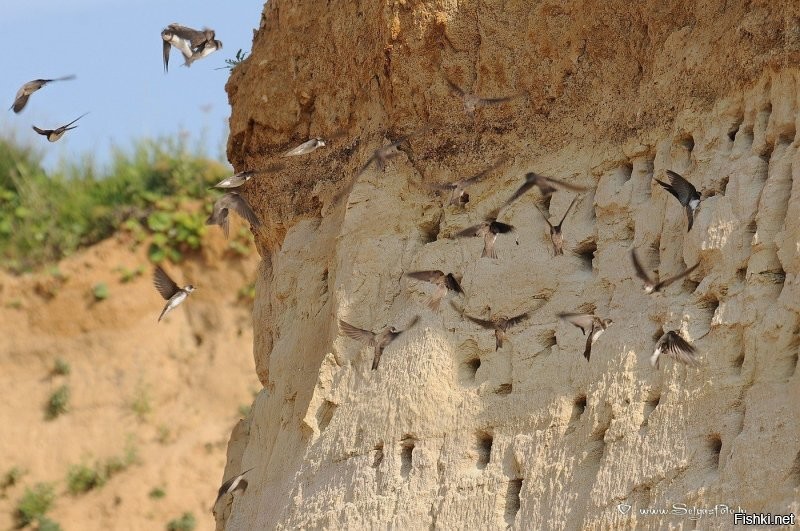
x,y
81,478
61,367
34,504
244,410
186,522
157,493
11,478
100,291
140,404
58,402
247,292
46,524
127,275
233,63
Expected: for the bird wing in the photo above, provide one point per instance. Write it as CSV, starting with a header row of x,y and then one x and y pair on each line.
x,y
677,348
544,217
666,282
411,324
562,184
689,217
73,121
495,101
683,188
482,322
237,203
527,185
518,319
498,227
364,336
452,283
20,101
587,352
434,276
455,88
165,48
165,285
639,269
477,177
581,320
475,230
567,212
42,131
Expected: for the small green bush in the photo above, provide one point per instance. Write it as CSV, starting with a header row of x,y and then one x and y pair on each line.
x,y
127,275
81,478
61,367
100,291
58,403
140,404
46,524
11,478
185,523
157,493
34,504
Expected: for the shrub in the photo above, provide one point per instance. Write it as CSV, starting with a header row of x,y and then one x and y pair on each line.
x,y
57,403
61,367
81,478
157,493
35,503
185,523
46,524
100,291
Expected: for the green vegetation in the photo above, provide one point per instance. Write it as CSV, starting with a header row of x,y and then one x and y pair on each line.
x,y
158,187
247,292
34,504
140,403
46,524
10,479
185,523
233,63
127,275
61,367
58,403
82,478
100,291
157,493
244,410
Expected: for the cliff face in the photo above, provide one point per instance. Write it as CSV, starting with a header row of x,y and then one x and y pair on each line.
x,y
448,432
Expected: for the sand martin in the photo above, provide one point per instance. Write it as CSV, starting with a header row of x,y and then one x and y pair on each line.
x,y
546,185
55,134
489,229
170,291
188,41
444,283
238,179
232,485
555,231
650,286
226,203
205,48
472,101
21,99
498,323
587,321
673,345
684,192
379,341
304,148
458,189
384,154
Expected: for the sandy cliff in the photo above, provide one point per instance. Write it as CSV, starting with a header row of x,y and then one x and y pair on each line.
x,y
449,433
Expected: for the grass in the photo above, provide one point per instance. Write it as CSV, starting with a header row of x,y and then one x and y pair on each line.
x,y
83,478
157,493
61,367
46,524
34,504
186,522
151,189
58,403
140,403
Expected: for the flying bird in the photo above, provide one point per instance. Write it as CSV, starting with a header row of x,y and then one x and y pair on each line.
x,y
546,185
445,283
232,485
587,321
223,206
686,194
188,41
473,101
377,340
555,231
205,48
489,229
458,189
238,179
304,148
650,286
499,324
384,154
55,134
673,345
25,91
170,291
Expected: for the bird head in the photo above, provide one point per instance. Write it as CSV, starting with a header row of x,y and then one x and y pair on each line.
x,y
607,322
320,142
189,288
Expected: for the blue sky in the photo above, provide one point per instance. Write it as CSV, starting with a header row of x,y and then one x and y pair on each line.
x,y
114,49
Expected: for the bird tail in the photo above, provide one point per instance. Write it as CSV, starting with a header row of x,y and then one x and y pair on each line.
x,y
376,360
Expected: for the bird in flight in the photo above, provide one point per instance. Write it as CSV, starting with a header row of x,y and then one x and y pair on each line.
x,y
489,229
473,101
384,154
445,283
55,134
498,323
25,91
306,147
168,289
205,48
378,341
650,286
674,346
238,179
686,194
223,206
555,231
232,485
189,42
546,185
587,321
458,189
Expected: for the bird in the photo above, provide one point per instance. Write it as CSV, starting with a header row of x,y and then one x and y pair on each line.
x,y
444,283
555,231
587,321
673,345
306,147
377,340
458,189
499,324
222,207
238,179
650,286
55,134
188,41
489,229
686,194
170,291
232,485
546,185
384,154
25,91
472,101
205,48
